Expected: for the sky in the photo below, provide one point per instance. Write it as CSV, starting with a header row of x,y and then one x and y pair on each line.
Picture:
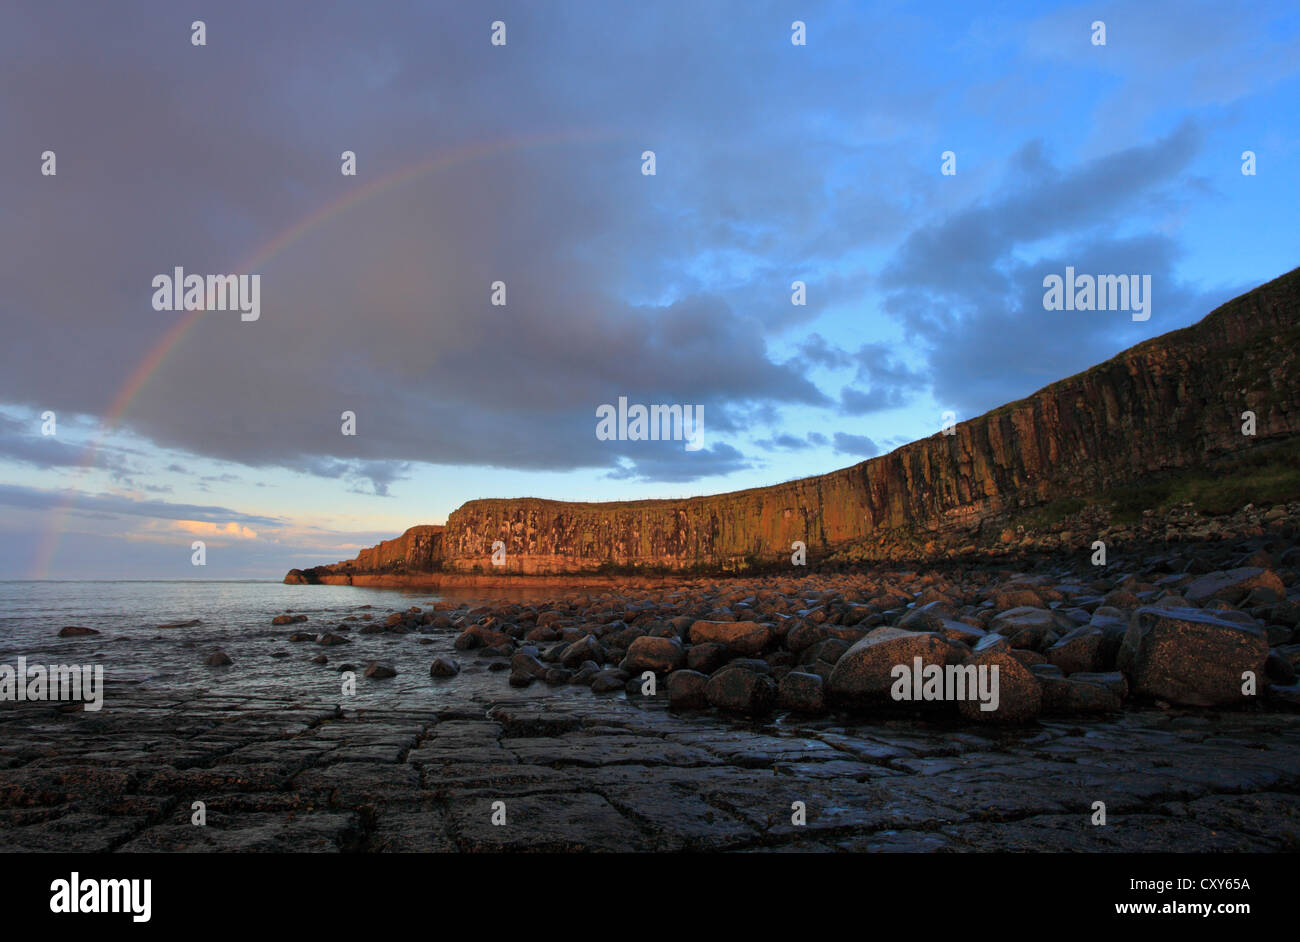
x,y
524,162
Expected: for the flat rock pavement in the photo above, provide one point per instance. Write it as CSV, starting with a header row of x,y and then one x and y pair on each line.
x,y
613,773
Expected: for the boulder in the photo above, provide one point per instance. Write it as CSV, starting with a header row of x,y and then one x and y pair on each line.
x,y
1068,695
803,693
1079,650
477,636
1026,627
378,671
217,659
686,690
1190,657
608,680
586,648
740,637
661,655
76,631
527,665
741,691
1019,693
804,635
444,667
706,658
1232,585
288,619
863,675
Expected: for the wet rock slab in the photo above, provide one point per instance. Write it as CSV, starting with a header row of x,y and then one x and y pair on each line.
x,y
628,774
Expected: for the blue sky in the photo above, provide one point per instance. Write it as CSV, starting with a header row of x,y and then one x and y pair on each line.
x,y
774,163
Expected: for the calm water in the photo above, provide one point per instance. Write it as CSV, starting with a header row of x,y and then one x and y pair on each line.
x,y
235,618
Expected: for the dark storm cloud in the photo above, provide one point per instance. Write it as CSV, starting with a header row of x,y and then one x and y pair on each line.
x,y
976,307
174,155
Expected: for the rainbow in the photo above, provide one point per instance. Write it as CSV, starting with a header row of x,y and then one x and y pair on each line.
x,y
170,340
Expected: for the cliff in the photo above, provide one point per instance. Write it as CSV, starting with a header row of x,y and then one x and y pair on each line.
x,y
1173,402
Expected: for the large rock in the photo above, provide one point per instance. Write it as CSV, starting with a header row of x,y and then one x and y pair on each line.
x,y
76,631
1190,657
608,680
740,637
863,675
528,665
586,648
1018,692
660,655
1232,585
477,636
1068,695
1080,650
803,693
444,667
1026,627
288,619
741,691
706,658
686,690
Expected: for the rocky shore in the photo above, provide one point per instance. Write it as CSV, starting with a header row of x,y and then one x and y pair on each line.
x,y
751,714
1209,624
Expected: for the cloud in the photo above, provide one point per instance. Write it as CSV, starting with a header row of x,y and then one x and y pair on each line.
x,y
784,441
718,459
968,288
661,289
30,498
858,445
204,528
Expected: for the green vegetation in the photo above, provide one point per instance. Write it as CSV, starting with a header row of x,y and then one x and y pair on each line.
x,y
1263,475
1266,474
1054,512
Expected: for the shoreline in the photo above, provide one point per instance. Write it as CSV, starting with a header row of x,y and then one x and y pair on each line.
x,y
1119,684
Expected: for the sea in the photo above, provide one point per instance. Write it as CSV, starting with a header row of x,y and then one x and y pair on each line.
x,y
234,617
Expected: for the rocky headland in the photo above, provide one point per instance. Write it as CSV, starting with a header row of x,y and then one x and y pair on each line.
x,y
1163,420
1122,534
